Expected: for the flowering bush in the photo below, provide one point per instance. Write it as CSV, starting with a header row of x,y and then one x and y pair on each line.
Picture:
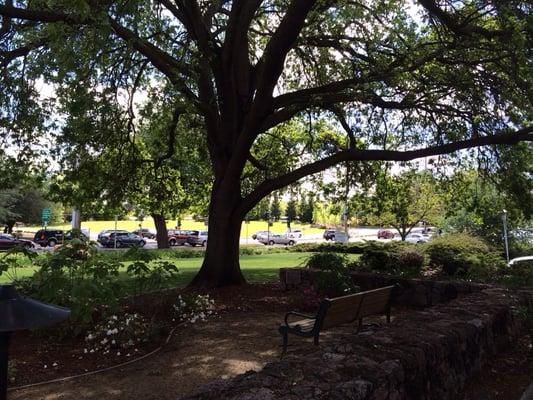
x,y
118,333
192,308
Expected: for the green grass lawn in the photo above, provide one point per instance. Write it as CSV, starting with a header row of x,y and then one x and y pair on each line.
x,y
256,268
246,231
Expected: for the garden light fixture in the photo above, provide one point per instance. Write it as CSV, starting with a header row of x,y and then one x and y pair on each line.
x,y
20,313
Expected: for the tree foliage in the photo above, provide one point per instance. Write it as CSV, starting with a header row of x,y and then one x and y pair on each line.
x,y
403,79
406,200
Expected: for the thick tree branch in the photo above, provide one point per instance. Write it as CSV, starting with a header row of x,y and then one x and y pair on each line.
x,y
271,64
38,15
525,134
345,125
453,23
9,55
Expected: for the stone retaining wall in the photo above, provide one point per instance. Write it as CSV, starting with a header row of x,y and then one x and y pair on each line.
x,y
418,293
425,354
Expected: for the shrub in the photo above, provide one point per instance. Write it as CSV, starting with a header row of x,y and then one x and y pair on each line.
x,y
194,307
14,259
518,275
349,248
146,277
410,260
484,266
520,248
119,333
75,277
334,283
392,258
379,258
333,277
455,253
326,261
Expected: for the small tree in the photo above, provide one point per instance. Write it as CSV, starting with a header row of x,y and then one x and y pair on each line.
x,y
291,212
275,208
306,209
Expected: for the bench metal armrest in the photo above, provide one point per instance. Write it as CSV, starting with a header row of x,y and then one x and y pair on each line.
x,y
297,314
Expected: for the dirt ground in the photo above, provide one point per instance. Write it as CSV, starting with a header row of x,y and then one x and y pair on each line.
x,y
220,348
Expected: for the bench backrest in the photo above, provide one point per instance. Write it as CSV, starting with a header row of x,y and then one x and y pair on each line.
x,y
375,301
341,310
347,309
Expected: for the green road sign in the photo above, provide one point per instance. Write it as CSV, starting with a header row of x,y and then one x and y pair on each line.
x,y
45,215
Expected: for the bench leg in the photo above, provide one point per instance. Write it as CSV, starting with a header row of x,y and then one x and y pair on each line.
x,y
315,339
285,342
388,316
360,325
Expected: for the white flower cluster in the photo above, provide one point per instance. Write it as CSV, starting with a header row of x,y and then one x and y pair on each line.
x,y
193,308
117,332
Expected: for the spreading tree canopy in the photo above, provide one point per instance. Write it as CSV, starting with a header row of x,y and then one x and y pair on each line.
x,y
405,79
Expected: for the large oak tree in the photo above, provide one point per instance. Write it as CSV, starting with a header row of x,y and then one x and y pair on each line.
x,y
404,79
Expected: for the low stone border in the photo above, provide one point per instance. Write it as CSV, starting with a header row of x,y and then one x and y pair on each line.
x,y
425,354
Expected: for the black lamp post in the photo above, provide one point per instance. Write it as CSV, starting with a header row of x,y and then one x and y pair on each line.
x,y
18,313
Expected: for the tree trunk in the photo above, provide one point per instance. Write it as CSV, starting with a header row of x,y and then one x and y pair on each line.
x,y
221,263
161,231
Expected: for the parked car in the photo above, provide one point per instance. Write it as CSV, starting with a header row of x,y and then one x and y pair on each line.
x,y
385,234
69,235
295,233
49,237
258,234
177,237
416,238
103,236
197,238
275,238
329,234
521,260
8,242
123,239
145,233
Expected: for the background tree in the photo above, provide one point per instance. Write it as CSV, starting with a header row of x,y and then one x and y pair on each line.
x,y
457,76
291,211
275,207
406,200
306,209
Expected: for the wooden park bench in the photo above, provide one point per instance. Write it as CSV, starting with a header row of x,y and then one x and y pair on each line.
x,y
338,311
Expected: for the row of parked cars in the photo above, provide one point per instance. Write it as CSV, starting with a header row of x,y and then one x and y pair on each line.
x,y
43,237
176,237
106,238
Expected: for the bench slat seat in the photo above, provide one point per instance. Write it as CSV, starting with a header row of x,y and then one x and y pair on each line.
x,y
338,311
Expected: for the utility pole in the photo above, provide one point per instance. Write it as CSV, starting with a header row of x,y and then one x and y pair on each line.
x,y
504,217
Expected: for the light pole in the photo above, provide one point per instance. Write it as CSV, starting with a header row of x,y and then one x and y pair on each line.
x,y
504,217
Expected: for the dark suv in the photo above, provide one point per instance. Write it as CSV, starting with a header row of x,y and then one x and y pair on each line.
x,y
49,237
124,239
329,234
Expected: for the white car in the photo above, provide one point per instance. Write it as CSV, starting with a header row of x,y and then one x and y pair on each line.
x,y
197,238
295,233
520,260
275,238
416,238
